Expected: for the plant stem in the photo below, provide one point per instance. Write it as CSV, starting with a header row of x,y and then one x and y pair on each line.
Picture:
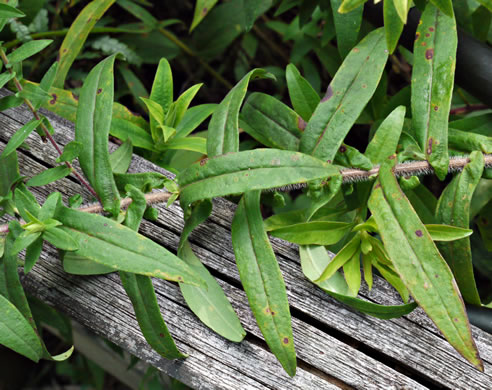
x,y
46,131
63,32
188,50
153,198
468,108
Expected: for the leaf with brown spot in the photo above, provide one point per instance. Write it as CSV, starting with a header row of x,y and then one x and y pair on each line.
x,y
458,253
262,280
346,97
432,85
419,264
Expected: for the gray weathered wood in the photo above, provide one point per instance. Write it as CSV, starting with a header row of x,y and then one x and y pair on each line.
x,y
336,346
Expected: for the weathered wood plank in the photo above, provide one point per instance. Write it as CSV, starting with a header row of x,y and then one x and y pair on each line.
x,y
412,341
316,348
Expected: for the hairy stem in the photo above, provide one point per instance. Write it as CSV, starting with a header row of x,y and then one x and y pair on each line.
x,y
153,198
19,88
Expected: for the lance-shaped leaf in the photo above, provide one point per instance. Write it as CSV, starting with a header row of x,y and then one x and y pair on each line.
x,y
468,141
385,140
7,12
453,208
76,36
316,232
106,242
223,129
121,158
347,27
350,5
271,122
262,280
27,50
432,85
210,305
142,294
16,333
393,25
302,95
419,264
48,176
345,98
314,259
447,232
92,126
15,291
20,136
257,169
445,6
202,8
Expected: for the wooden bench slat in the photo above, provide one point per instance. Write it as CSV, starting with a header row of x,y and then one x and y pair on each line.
x,y
413,341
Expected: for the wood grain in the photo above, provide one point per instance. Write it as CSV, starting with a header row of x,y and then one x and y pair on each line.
x,y
337,347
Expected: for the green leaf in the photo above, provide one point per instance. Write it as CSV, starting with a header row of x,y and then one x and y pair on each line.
x,y
250,170
7,12
202,8
262,280
16,333
121,158
385,140
314,259
419,264
162,88
9,173
302,95
349,156
271,122
46,315
344,255
317,232
211,305
351,271
25,239
194,144
5,78
486,3
179,107
45,84
135,86
144,181
34,93
192,118
468,141
432,85
126,130
92,130
139,12
80,265
33,252
402,7
60,239
350,5
157,123
223,129
109,243
453,208
447,232
347,27
48,176
20,136
10,102
27,50
445,6
345,98
142,294
77,35
393,24
70,152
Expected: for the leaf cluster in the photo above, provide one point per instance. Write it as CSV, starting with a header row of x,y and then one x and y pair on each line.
x,y
292,153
